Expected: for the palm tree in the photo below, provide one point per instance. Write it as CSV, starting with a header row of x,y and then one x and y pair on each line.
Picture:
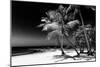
x,y
86,37
88,46
58,28
81,37
83,26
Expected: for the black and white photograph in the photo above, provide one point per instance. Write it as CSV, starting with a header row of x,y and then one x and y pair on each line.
x,y
52,33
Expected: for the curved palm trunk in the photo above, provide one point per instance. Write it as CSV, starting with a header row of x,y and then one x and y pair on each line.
x,y
88,46
61,38
60,42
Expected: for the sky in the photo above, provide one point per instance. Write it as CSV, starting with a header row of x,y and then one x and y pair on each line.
x,y
25,16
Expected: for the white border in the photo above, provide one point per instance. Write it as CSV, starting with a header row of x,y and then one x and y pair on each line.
x,y
5,32
82,2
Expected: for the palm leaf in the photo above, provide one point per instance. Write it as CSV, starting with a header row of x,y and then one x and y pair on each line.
x,y
54,34
51,26
41,25
73,23
46,20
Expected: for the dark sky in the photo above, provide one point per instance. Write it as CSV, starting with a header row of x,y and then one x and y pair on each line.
x,y
27,15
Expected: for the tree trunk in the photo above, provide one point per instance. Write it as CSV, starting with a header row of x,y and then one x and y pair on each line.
x,y
88,46
60,42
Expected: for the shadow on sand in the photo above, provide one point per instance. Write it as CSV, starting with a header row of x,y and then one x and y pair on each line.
x,y
81,57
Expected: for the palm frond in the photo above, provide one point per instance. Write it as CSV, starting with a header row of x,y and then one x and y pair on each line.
x,y
41,25
71,24
46,20
53,34
50,26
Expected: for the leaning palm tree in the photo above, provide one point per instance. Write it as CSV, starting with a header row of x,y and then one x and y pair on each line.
x,y
59,29
83,26
79,34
